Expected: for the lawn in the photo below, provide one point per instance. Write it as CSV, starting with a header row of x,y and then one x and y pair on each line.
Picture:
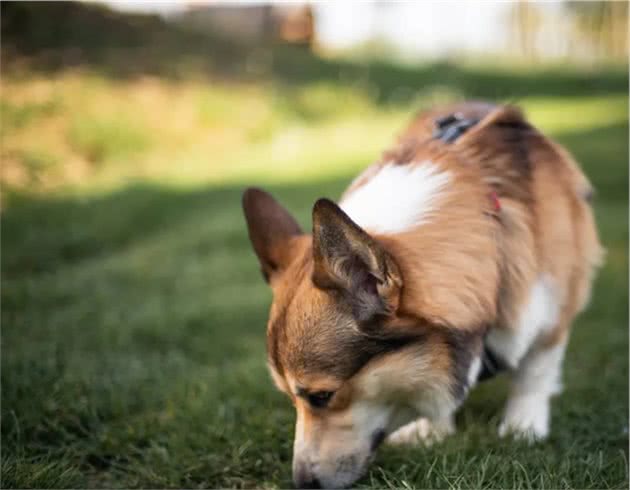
x,y
133,311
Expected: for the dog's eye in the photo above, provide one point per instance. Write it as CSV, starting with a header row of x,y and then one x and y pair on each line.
x,y
320,399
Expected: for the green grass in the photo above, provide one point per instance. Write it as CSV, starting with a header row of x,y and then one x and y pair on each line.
x,y
100,140
18,116
133,311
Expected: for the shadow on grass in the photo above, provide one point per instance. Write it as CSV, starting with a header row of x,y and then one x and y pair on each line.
x,y
43,233
57,36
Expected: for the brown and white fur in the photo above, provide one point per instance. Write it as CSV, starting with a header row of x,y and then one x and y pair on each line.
x,y
381,315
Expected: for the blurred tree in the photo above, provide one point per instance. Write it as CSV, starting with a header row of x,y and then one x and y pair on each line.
x,y
584,31
525,23
602,26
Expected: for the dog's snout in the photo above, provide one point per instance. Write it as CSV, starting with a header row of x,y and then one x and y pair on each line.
x,y
311,482
304,478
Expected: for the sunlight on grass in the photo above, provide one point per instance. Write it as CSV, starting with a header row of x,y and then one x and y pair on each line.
x,y
99,134
99,140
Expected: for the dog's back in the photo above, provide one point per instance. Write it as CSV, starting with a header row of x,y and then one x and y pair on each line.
x,y
542,200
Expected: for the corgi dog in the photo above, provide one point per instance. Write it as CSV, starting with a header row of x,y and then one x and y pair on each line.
x,y
467,248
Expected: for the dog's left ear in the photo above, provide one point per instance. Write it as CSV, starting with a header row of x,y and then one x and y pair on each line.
x,y
348,259
271,229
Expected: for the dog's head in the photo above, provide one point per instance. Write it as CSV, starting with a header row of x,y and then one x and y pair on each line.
x,y
354,369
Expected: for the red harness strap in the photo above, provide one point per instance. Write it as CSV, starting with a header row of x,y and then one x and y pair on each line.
x,y
495,201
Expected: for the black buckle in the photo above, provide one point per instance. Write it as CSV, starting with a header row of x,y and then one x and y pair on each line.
x,y
450,127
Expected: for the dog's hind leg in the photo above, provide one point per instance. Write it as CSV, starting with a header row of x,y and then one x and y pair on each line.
x,y
535,381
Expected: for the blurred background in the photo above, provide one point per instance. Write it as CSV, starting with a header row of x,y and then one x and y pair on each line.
x,y
209,91
133,312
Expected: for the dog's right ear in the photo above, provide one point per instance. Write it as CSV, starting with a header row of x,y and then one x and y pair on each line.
x,y
346,257
270,229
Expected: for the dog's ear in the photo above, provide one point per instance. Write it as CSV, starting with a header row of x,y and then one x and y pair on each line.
x,y
348,259
270,229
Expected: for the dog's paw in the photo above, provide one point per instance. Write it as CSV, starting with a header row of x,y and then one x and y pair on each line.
x,y
421,432
527,418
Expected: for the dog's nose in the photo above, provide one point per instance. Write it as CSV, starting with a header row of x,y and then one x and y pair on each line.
x,y
302,478
307,483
